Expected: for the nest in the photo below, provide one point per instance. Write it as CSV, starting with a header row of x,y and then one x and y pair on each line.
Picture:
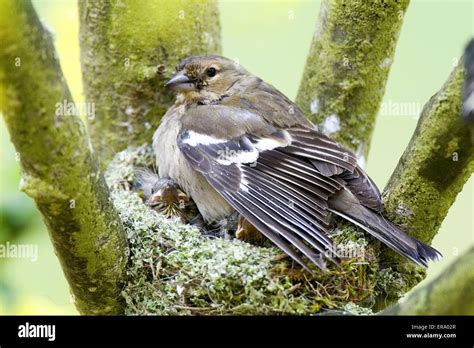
x,y
175,269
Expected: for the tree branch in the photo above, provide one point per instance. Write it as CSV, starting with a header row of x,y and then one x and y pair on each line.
x,y
128,50
451,293
58,169
431,172
347,67
341,89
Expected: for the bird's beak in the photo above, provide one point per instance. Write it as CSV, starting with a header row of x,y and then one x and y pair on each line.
x,y
180,83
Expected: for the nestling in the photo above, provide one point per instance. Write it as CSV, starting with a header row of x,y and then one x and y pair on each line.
x,y
235,143
164,196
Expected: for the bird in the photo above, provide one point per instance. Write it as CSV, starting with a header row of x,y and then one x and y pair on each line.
x,y
236,144
164,196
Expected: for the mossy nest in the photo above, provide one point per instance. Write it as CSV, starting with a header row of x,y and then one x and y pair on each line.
x,y
176,270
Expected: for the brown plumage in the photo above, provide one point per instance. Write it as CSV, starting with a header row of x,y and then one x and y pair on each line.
x,y
234,142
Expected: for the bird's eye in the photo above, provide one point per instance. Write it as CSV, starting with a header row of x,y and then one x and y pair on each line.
x,y
211,72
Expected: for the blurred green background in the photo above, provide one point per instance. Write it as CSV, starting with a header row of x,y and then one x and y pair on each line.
x,y
271,39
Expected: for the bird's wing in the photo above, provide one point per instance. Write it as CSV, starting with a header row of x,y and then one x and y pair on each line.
x,y
278,110
274,177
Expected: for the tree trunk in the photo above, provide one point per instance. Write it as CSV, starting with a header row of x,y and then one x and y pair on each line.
x,y
128,51
436,164
347,68
58,168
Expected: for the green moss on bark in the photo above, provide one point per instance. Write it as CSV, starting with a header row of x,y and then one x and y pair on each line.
x,y
58,169
128,51
432,171
347,67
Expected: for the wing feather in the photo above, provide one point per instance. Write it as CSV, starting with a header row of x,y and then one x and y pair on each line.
x,y
284,229
280,182
270,231
291,194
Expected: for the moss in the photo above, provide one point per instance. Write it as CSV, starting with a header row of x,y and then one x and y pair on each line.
x,y
58,169
174,269
128,51
390,281
348,65
355,309
432,171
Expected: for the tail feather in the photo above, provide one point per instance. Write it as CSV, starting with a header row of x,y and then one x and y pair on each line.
x,y
348,207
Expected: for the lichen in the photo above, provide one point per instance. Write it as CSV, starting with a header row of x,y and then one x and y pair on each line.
x,y
355,309
175,269
390,282
330,125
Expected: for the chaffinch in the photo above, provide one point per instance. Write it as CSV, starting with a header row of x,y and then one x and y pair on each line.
x,y
235,143
164,196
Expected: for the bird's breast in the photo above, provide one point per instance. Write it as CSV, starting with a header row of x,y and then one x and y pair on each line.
x,y
172,164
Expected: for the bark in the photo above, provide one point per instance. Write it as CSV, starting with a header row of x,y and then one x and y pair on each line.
x,y
347,67
451,293
431,172
128,50
58,168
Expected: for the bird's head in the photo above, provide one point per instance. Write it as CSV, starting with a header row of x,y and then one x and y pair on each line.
x,y
205,79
